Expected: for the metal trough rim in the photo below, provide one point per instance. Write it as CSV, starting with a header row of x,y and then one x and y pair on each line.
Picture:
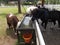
x,y
40,36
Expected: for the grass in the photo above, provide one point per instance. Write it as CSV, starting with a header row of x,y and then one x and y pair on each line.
x,y
3,23
7,10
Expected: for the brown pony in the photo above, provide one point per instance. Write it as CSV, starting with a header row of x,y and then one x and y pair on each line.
x,y
12,21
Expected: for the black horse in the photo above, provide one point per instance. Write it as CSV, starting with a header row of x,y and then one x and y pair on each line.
x,y
56,16
41,14
46,15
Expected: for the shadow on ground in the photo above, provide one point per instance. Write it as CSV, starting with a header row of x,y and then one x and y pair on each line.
x,y
11,33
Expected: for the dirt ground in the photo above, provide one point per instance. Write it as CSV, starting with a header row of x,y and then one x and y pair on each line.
x,y
7,41
9,38
52,34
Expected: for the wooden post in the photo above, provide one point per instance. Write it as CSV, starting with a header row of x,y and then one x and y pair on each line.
x,y
19,7
42,2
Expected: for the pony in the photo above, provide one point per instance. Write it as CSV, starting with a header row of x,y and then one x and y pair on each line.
x,y
12,21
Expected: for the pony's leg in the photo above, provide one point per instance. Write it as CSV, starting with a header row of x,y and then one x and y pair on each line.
x,y
9,25
14,26
15,30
